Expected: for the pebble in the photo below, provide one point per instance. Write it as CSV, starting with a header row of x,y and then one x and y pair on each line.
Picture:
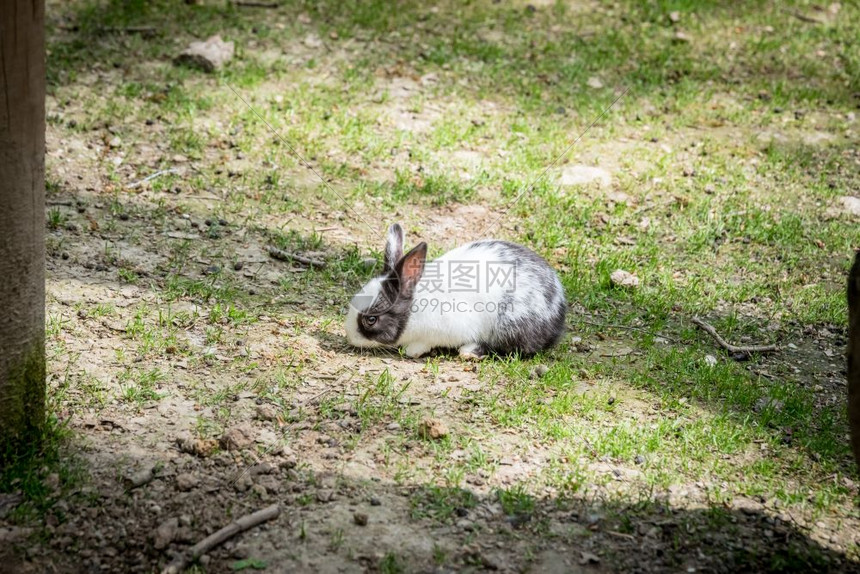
x,y
186,481
433,428
209,55
538,371
237,438
165,533
622,278
360,518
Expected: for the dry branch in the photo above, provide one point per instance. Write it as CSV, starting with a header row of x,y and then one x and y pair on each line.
x,y
728,346
151,177
236,527
255,4
803,17
282,255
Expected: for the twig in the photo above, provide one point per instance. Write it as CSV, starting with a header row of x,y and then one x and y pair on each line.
x,y
145,31
282,255
732,348
255,4
803,17
151,177
620,534
628,328
236,527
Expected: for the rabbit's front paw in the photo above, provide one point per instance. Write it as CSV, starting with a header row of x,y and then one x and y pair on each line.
x,y
415,350
472,352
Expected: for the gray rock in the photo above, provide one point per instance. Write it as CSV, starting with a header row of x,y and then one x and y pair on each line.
x,y
166,533
186,481
583,175
209,56
237,438
621,278
850,205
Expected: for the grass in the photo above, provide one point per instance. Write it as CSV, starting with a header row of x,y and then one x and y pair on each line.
x,y
727,156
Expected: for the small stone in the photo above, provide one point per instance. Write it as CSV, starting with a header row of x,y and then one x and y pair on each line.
x,y
325,495
710,360
238,265
674,17
243,483
312,41
538,371
576,175
166,533
360,518
850,205
266,413
681,38
374,501
433,428
212,270
115,142
594,82
259,490
196,446
621,278
209,56
588,558
186,481
639,459
237,438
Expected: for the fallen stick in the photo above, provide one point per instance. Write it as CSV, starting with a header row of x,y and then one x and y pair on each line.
x,y
627,328
151,177
236,527
255,4
803,17
146,31
282,255
729,347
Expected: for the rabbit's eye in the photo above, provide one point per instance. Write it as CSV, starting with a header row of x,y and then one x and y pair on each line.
x,y
370,320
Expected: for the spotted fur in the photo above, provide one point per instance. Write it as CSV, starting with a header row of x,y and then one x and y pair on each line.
x,y
417,305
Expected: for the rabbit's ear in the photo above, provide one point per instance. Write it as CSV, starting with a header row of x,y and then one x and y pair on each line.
x,y
410,268
393,247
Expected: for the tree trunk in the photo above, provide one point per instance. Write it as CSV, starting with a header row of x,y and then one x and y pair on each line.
x,y
854,356
22,224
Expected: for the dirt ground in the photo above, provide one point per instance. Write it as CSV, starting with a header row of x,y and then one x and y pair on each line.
x,y
185,358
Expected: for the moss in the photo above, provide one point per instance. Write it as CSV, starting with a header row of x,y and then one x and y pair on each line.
x,y
22,404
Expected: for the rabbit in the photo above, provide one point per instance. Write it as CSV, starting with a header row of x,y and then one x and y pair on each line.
x,y
485,297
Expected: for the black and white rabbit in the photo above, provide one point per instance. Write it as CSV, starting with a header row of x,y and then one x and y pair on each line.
x,y
487,296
